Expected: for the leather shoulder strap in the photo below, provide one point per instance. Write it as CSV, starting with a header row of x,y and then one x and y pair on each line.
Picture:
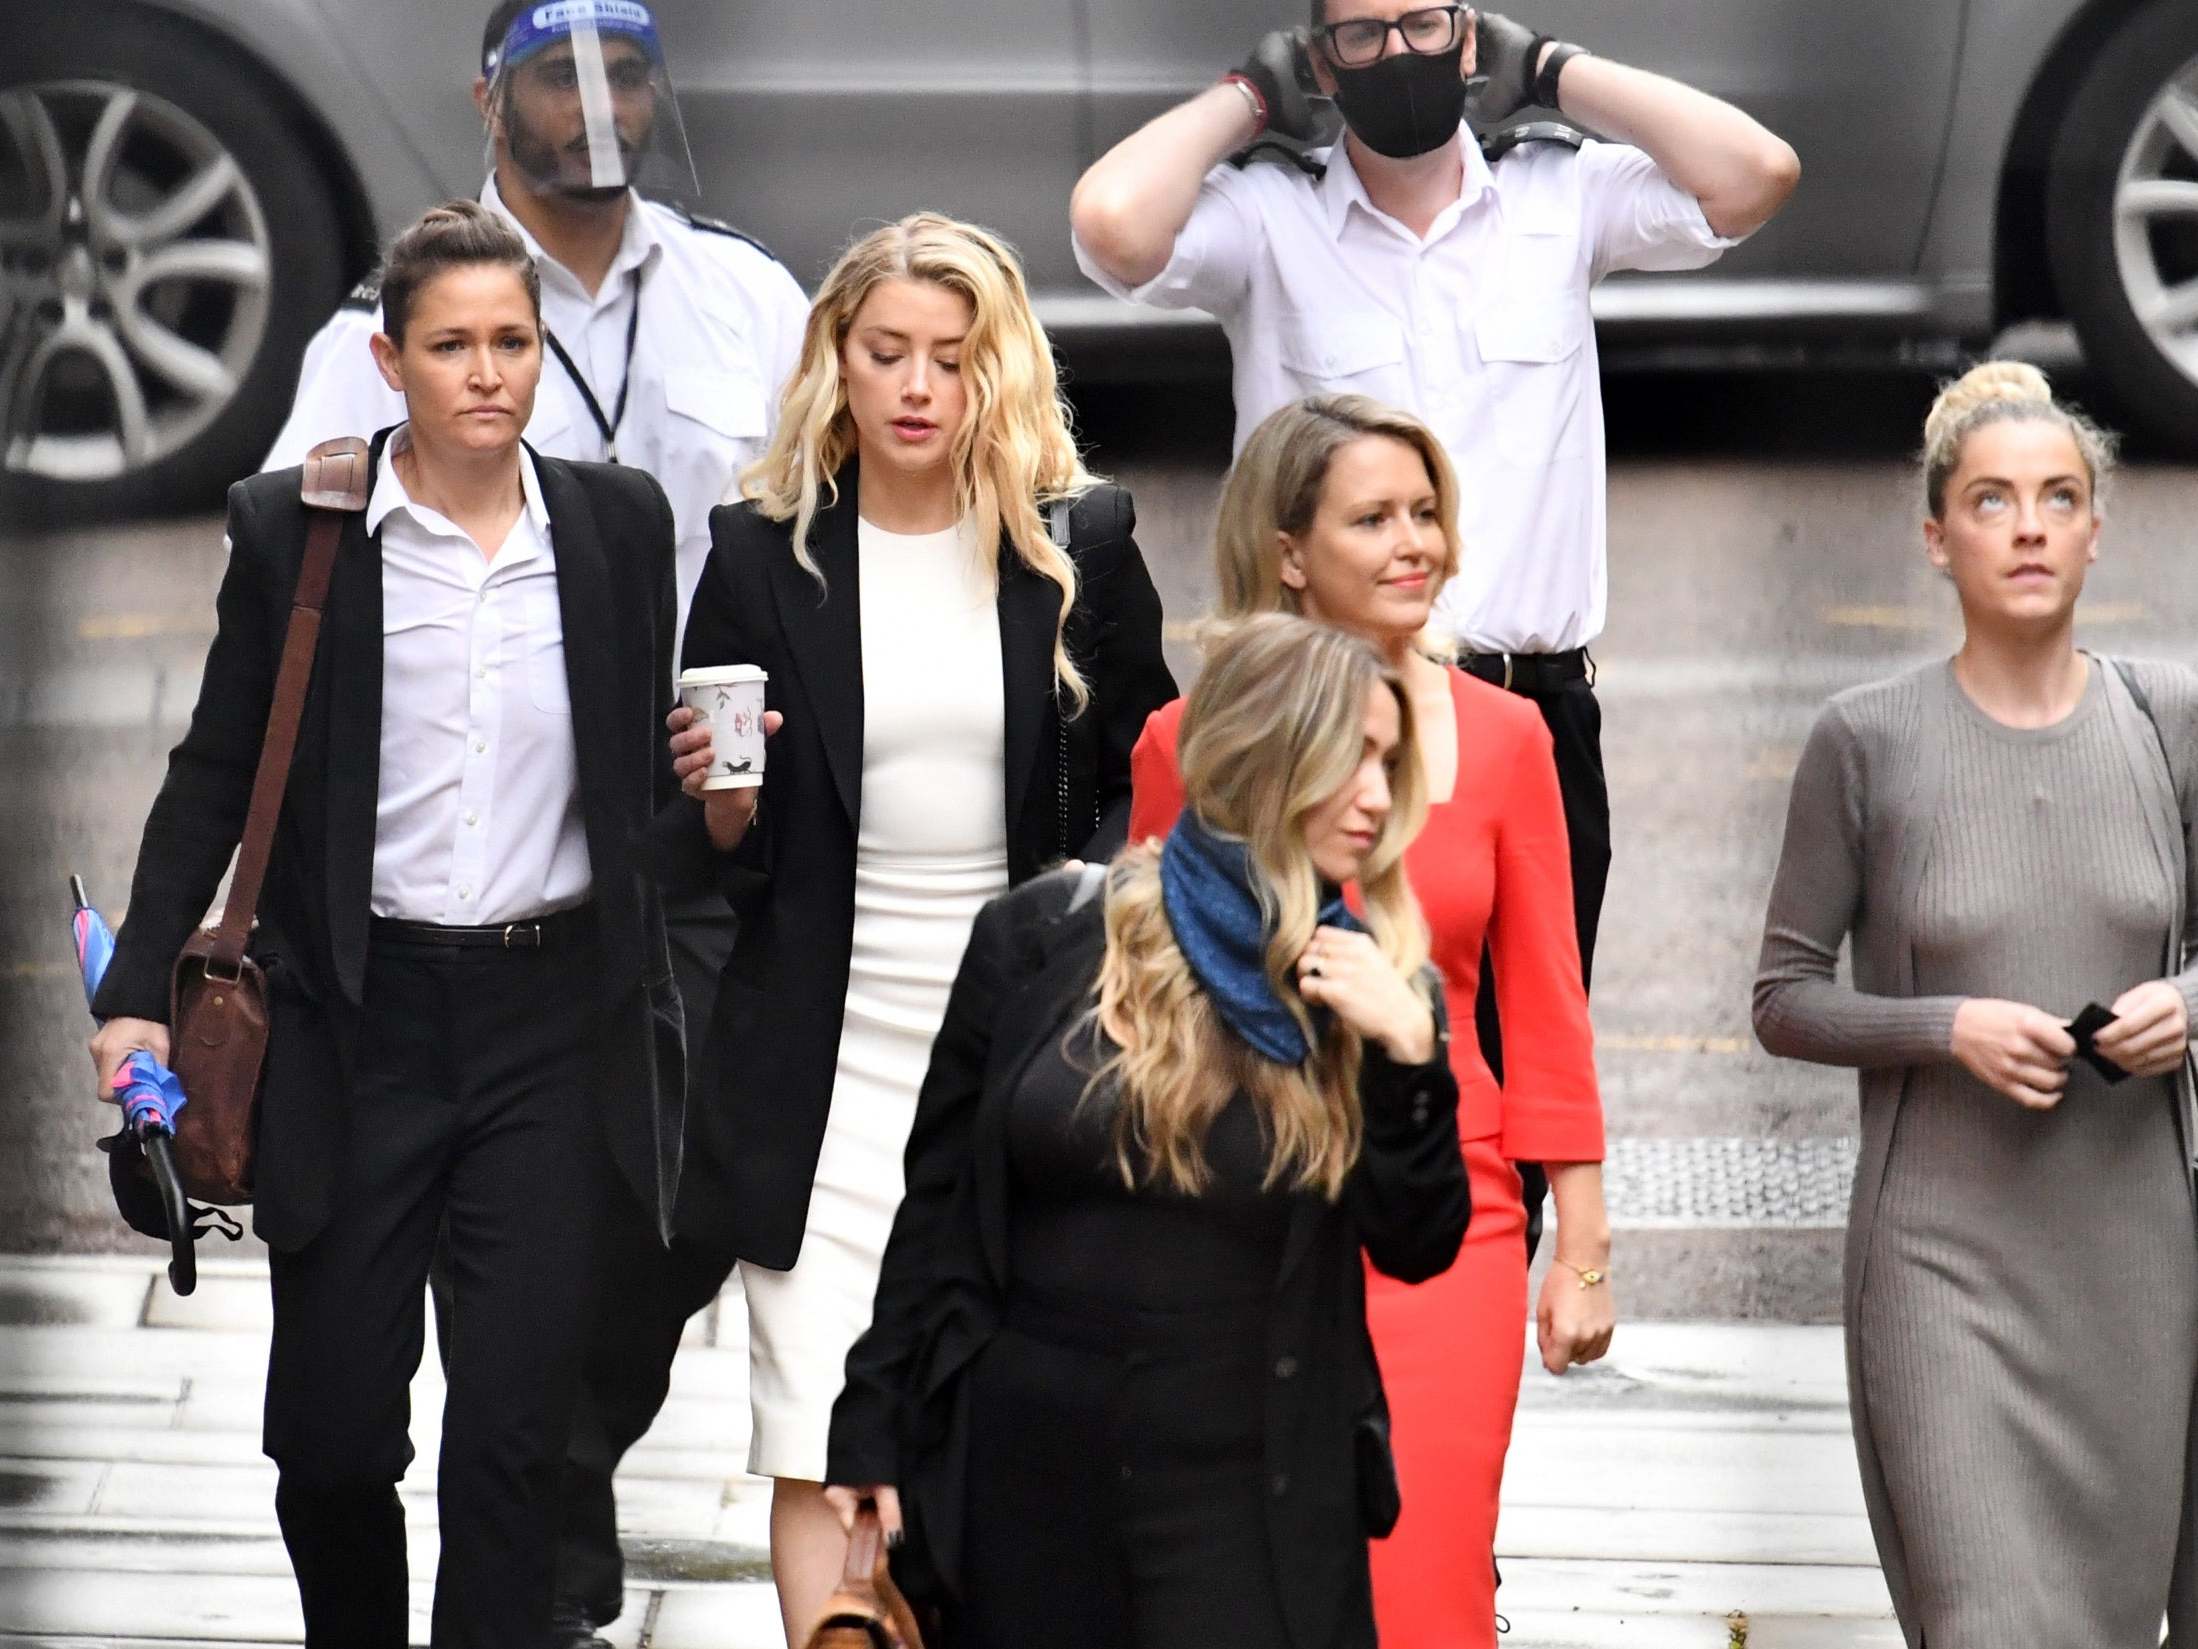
x,y
332,485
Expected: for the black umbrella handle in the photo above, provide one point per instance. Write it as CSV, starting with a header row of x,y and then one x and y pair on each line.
x,y
182,1240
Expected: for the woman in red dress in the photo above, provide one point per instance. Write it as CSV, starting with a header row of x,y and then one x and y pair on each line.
x,y
1344,510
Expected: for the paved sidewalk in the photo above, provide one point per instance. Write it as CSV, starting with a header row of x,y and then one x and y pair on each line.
x,y
1702,1470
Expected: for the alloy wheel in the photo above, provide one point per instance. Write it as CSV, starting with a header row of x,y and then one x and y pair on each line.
x,y
2156,220
136,269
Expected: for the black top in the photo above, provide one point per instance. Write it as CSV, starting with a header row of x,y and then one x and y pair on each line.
x,y
1076,1227
614,540
773,1042
950,1273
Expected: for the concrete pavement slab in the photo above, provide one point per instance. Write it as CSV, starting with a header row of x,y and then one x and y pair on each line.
x,y
61,1296
230,1304
730,1617
1701,1468
1673,1535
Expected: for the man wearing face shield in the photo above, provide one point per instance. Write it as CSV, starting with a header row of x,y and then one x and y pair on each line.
x,y
1405,264
672,333
667,339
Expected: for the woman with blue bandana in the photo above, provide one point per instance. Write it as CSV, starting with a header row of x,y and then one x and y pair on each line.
x,y
1118,1372
1344,510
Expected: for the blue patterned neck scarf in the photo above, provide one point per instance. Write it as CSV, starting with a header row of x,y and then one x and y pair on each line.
x,y
1207,886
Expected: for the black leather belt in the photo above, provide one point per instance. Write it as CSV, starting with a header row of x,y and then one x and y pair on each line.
x,y
536,933
1530,673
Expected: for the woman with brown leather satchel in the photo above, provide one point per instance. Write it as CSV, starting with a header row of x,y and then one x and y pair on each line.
x,y
1118,1387
464,960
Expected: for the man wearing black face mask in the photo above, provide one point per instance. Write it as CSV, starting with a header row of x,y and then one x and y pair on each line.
x,y
1404,265
1401,264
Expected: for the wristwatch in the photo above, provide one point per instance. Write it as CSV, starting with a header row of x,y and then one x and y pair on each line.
x,y
1561,52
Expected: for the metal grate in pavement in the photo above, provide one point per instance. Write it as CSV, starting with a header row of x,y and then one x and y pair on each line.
x,y
1728,1182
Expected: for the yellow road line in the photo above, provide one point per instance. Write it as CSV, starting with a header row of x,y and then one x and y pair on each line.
x,y
1776,763
1620,1042
141,626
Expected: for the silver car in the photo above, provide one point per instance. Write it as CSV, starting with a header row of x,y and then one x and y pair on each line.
x,y
187,187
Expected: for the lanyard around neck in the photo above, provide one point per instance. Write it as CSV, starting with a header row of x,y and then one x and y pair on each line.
x,y
608,426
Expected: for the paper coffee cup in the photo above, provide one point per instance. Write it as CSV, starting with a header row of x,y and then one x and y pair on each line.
x,y
729,699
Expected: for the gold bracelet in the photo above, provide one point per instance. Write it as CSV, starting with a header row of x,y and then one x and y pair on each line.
x,y
1590,1276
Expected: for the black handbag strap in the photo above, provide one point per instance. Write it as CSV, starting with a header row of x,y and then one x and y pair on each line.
x,y
2143,701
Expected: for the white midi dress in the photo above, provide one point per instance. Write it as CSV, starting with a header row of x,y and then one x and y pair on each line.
x,y
931,848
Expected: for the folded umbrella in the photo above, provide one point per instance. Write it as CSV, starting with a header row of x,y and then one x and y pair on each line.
x,y
151,1098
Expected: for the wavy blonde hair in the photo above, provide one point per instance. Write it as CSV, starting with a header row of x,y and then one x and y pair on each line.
x,y
1274,728
1275,486
2000,392
1015,452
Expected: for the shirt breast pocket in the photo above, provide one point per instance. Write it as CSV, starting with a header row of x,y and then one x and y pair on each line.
x,y
1346,354
717,423
1533,336
726,402
542,641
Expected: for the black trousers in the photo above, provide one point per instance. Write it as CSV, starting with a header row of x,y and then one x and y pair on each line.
x,y
646,1294
1575,722
470,1112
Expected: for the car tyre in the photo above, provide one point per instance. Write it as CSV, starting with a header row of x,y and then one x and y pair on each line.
x,y
2122,221
117,125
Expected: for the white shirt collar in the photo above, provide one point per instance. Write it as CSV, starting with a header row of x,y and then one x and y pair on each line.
x,y
637,247
389,494
1343,187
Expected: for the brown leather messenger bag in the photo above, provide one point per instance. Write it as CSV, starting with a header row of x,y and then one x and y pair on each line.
x,y
218,1011
867,1611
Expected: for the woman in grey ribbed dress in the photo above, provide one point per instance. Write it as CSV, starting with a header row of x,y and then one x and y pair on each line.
x,y
2002,835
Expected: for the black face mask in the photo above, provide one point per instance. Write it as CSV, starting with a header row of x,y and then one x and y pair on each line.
x,y
1404,105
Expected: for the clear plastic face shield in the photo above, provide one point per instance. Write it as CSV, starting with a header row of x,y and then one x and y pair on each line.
x,y
583,100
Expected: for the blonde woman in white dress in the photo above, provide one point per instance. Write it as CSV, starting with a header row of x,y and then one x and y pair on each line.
x,y
963,644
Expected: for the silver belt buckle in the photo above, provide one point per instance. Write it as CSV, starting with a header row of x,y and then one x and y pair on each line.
x,y
1506,671
534,928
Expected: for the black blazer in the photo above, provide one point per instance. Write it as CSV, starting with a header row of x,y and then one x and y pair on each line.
x,y
1028,977
612,531
774,1039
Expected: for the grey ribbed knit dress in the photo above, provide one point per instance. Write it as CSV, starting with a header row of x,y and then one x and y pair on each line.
x,y
2022,1303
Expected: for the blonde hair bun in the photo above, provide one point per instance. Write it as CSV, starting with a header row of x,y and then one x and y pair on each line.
x,y
1993,392
1989,383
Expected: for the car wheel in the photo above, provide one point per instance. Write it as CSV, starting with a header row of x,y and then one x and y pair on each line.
x,y
167,246
2122,221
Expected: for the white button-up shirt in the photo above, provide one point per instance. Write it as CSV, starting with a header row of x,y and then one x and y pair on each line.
x,y
478,816
719,335
1482,329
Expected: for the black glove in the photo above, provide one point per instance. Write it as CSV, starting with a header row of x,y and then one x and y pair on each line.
x,y
1282,73
1504,61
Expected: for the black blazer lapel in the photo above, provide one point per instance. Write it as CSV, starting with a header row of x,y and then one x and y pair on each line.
x,y
1030,609
352,640
587,611
823,630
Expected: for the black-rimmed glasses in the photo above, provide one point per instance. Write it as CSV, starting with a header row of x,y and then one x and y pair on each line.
x,y
1358,41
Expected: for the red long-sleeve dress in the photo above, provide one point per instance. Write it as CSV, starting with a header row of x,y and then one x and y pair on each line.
x,y
1490,866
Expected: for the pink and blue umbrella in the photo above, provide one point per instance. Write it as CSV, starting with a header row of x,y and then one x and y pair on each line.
x,y
150,1094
